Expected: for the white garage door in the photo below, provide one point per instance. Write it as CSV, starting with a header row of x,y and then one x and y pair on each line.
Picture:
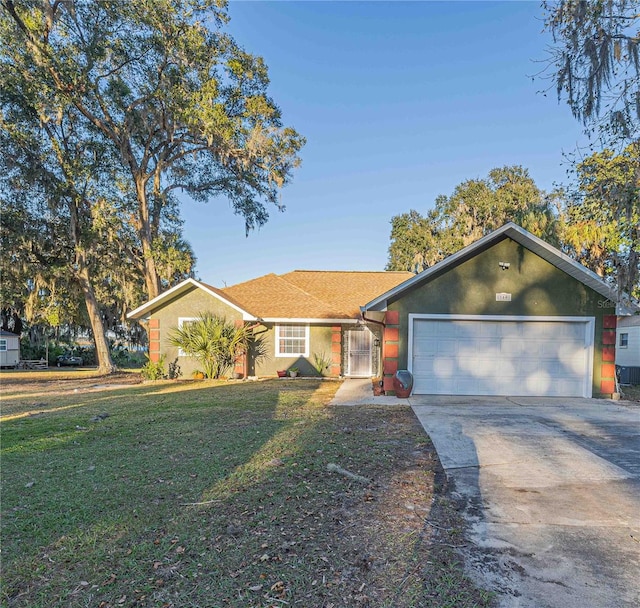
x,y
547,356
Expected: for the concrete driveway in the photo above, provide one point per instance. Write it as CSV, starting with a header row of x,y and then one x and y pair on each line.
x,y
551,488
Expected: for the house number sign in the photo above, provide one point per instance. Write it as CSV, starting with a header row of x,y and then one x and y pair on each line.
x,y
503,297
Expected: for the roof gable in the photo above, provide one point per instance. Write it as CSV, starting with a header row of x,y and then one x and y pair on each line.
x,y
180,289
521,236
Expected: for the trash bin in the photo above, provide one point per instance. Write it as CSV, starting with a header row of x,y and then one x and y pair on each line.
x,y
402,383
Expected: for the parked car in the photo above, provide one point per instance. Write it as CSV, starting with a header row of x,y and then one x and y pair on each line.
x,y
69,359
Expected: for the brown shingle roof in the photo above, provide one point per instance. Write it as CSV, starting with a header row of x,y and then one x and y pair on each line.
x,y
312,294
346,291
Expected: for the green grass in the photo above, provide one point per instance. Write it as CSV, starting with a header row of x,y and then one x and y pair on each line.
x,y
216,494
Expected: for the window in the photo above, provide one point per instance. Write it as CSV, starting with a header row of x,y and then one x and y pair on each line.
x,y
292,340
182,321
3,346
624,341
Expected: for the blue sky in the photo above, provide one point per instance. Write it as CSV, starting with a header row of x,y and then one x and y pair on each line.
x,y
399,102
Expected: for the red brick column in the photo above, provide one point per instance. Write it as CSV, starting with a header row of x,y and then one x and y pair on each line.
x,y
608,367
390,340
154,340
336,351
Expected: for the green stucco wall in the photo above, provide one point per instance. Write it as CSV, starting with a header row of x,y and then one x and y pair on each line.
x,y
536,287
191,304
319,342
197,301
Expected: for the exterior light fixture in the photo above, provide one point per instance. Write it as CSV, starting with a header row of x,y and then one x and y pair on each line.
x,y
504,265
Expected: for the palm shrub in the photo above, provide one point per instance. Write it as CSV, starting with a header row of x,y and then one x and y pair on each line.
x,y
153,370
215,342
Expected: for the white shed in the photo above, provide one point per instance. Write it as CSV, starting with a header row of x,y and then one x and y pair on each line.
x,y
9,349
628,349
628,341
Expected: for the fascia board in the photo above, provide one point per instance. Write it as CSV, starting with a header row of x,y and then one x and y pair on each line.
x,y
314,321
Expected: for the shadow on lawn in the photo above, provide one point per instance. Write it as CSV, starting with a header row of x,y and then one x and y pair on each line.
x,y
218,494
103,470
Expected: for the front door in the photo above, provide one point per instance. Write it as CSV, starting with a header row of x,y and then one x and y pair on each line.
x,y
359,352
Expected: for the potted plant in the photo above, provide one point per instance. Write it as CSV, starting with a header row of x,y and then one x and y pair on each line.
x,y
293,372
198,375
282,373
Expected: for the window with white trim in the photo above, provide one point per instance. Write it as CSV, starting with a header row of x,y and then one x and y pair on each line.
x,y
292,340
182,321
3,346
624,341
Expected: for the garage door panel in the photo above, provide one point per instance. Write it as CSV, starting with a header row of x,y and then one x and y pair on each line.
x,y
447,346
465,386
480,367
572,331
541,330
481,347
425,348
494,357
535,348
511,347
446,386
510,330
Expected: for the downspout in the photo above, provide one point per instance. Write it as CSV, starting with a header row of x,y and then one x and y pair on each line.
x,y
364,318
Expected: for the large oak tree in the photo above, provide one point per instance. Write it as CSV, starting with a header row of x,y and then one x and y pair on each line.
x,y
57,184
594,62
182,106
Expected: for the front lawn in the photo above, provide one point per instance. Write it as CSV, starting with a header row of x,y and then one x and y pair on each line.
x,y
207,494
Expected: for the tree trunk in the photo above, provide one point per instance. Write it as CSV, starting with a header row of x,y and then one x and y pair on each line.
x,y
103,355
151,280
81,273
145,232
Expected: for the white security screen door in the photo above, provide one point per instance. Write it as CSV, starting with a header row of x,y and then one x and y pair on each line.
x,y
359,352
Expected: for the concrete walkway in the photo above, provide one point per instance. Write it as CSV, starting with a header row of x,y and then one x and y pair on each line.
x,y
359,391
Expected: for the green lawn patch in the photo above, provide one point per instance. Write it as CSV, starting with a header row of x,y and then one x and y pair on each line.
x,y
212,493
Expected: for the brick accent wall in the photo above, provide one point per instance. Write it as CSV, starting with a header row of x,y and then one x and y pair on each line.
x,y
390,339
336,351
608,368
154,340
